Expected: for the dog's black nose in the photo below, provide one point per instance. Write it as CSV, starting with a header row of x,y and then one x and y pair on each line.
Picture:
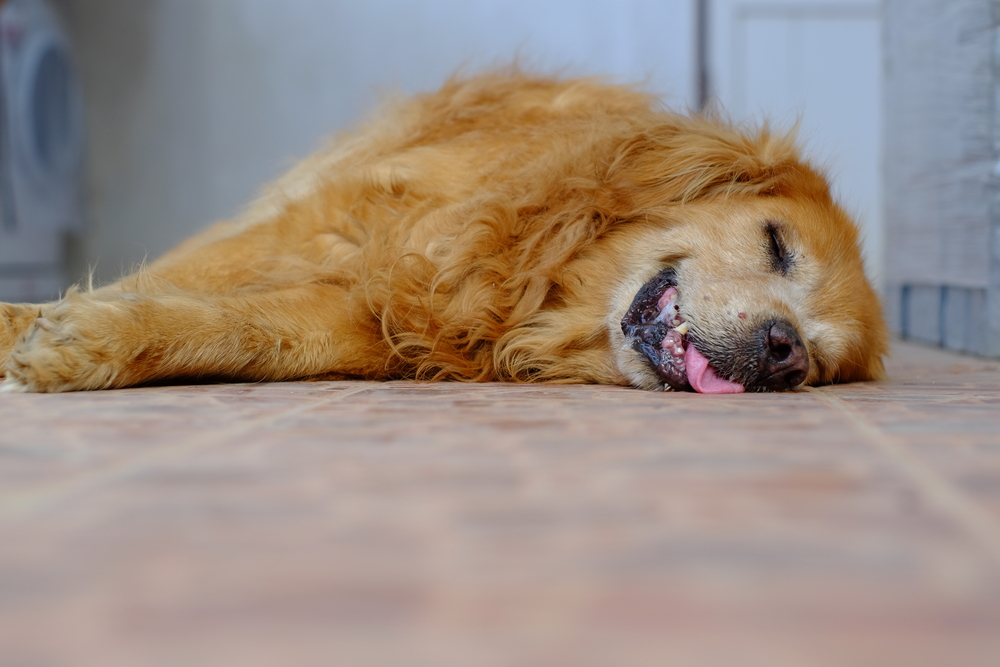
x,y
784,362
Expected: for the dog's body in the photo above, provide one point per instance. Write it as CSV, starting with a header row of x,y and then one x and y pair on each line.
x,y
505,228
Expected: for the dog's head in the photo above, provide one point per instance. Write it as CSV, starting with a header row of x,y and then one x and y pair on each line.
x,y
755,283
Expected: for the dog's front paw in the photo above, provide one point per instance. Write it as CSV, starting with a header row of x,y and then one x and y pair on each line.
x,y
15,318
62,351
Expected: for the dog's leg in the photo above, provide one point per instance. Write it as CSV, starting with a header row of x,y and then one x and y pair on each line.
x,y
214,262
106,339
226,259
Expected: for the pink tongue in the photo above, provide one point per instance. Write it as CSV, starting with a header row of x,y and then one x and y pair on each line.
x,y
702,376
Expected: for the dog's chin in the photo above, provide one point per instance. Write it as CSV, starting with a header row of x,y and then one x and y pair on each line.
x,y
654,327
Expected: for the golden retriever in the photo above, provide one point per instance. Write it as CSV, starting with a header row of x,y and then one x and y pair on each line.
x,y
505,228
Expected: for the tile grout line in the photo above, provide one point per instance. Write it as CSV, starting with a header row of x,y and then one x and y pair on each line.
x,y
17,505
939,492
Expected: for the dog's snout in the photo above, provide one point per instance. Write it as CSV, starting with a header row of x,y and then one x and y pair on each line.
x,y
784,362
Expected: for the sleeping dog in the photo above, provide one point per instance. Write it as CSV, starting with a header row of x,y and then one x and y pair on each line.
x,y
504,228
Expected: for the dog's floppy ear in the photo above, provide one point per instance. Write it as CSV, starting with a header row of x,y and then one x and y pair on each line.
x,y
693,157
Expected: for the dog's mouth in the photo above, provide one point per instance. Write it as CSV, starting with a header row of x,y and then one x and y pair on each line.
x,y
654,327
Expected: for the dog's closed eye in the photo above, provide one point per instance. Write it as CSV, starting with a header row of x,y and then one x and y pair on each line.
x,y
781,258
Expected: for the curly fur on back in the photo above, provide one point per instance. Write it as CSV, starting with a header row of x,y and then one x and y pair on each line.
x,y
480,276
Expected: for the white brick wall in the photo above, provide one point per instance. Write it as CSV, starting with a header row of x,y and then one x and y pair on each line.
x,y
940,155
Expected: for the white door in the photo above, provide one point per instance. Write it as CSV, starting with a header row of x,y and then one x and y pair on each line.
x,y
818,60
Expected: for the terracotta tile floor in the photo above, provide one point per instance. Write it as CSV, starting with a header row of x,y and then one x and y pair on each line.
x,y
417,525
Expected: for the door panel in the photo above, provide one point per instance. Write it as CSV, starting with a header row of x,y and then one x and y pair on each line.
x,y
818,63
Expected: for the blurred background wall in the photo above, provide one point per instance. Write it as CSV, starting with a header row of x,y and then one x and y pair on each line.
x,y
194,104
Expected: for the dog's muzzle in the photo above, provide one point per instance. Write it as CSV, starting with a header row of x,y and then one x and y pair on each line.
x,y
771,358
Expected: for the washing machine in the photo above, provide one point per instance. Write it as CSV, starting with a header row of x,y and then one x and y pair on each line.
x,y
41,150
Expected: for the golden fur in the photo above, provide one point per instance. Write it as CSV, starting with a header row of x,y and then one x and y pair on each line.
x,y
495,230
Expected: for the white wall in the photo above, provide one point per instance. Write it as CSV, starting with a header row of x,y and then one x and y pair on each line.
x,y
194,104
